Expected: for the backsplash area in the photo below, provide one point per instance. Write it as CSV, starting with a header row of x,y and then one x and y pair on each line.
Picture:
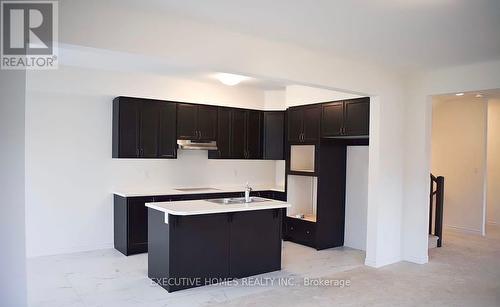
x,y
191,168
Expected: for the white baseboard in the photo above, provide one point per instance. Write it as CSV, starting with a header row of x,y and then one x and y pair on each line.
x,y
69,250
417,260
380,263
464,229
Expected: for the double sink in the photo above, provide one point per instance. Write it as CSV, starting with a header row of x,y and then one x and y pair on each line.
x,y
225,201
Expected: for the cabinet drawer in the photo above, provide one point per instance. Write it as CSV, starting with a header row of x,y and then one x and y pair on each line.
x,y
301,231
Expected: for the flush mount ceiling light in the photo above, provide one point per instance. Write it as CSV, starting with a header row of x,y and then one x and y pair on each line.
x,y
459,94
479,96
230,79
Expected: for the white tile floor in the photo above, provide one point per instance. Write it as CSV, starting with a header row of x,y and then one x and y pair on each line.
x,y
464,272
107,278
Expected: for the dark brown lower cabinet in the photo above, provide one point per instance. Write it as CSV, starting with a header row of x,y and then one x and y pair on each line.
x,y
130,224
198,250
198,246
131,217
300,231
255,242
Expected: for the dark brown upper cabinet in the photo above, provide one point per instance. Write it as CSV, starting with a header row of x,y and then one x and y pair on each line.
x,y
196,122
273,135
239,134
126,120
357,117
187,118
167,146
350,118
223,135
237,141
245,140
143,128
332,119
207,123
253,134
149,129
304,124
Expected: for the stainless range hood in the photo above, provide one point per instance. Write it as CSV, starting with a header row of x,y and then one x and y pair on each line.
x,y
197,145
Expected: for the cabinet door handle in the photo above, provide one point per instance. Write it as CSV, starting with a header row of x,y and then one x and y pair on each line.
x,y
199,134
142,152
308,232
137,152
291,228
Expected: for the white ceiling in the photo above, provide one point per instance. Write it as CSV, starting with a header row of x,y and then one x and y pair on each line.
x,y
486,95
73,55
406,34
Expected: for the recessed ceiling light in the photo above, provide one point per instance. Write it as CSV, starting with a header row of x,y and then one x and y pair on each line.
x,y
459,94
479,96
230,79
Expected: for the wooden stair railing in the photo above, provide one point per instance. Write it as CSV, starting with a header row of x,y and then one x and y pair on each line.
x,y
436,199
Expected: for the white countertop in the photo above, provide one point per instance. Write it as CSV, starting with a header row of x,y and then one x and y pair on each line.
x,y
195,207
174,191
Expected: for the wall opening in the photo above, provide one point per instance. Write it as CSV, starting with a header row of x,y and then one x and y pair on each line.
x,y
465,150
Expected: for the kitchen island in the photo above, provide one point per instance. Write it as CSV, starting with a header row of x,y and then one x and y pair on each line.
x,y
202,242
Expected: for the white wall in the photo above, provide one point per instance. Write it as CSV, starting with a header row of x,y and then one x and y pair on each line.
x,y
280,173
12,181
417,155
459,154
493,160
300,94
274,100
356,197
70,174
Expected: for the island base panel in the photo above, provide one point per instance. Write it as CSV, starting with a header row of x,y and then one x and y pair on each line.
x,y
197,250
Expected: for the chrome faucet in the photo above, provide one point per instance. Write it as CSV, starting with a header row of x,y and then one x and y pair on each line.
x,y
248,189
